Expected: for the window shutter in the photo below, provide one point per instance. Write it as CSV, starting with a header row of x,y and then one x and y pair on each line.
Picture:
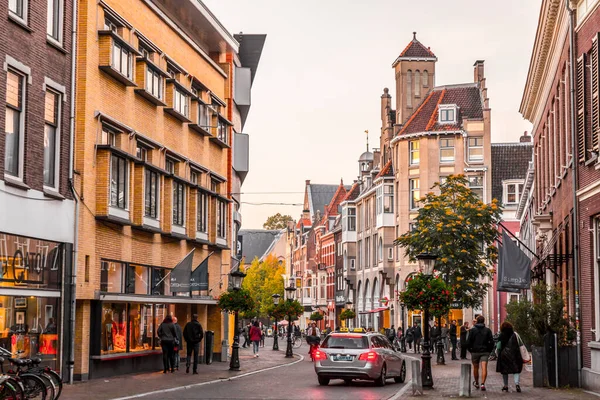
x,y
581,108
595,97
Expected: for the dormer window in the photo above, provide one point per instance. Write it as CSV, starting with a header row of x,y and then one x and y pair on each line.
x,y
447,114
170,165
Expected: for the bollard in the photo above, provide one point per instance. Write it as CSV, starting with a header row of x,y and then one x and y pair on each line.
x,y
464,389
417,384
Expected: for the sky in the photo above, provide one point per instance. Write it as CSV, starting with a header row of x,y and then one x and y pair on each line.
x,y
325,64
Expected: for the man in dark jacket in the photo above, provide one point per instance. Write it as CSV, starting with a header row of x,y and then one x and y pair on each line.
x,y
480,344
452,333
464,330
417,334
435,333
193,335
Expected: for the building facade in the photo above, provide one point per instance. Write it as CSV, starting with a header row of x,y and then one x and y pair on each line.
x,y
37,232
162,96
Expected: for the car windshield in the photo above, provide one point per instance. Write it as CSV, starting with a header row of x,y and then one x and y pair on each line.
x,y
345,342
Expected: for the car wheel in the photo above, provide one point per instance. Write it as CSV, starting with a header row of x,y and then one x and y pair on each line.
x,y
402,377
347,381
381,380
323,381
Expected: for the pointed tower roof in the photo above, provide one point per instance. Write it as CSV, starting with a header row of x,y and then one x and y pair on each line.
x,y
415,50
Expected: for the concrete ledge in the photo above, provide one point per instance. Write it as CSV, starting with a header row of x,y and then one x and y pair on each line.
x,y
590,379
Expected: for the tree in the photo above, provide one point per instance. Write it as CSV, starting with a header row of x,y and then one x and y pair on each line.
x,y
461,231
263,280
277,221
316,316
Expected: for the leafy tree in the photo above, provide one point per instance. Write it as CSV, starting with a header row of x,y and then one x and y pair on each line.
x,y
427,292
461,230
263,280
277,221
347,314
316,316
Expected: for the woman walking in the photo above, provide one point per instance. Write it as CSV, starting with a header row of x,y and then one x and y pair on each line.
x,y
167,334
509,356
255,335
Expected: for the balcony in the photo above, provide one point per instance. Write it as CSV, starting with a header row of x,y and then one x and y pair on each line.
x,y
241,154
110,46
221,135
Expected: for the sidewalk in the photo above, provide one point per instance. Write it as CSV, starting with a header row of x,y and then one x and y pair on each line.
x,y
446,380
132,384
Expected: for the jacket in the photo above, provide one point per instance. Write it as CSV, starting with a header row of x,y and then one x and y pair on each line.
x,y
463,333
417,334
410,335
509,354
435,333
166,332
452,331
255,334
480,339
179,333
193,332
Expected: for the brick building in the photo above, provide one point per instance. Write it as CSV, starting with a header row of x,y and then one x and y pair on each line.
x,y
163,92
37,219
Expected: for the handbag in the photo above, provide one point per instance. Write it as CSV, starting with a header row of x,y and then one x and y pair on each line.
x,y
524,353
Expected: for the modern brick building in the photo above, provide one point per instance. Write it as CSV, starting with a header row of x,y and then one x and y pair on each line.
x,y
163,91
37,218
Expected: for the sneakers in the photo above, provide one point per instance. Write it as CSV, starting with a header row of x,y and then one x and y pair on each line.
x,y
505,389
518,388
476,384
482,387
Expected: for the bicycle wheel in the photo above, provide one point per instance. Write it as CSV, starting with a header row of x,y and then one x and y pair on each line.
x,y
18,386
35,387
297,342
50,388
8,391
57,380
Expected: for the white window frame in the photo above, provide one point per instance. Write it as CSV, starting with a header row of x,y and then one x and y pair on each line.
x,y
388,199
221,220
447,113
58,5
21,131
352,219
183,204
390,253
57,141
412,150
24,9
482,187
157,196
180,99
116,45
444,141
413,203
475,158
518,184
596,269
152,77
125,186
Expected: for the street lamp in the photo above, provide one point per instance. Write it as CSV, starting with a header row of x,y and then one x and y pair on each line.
x,y
236,277
276,297
290,292
426,263
403,340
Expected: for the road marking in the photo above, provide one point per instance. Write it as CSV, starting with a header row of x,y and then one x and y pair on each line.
x,y
594,393
400,392
137,396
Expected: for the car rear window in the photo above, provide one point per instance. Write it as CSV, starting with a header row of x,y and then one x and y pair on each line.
x,y
345,342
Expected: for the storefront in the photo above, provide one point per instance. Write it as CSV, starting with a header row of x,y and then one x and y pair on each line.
x,y
31,312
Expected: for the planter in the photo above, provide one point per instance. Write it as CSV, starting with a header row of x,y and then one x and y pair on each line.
x,y
544,366
540,367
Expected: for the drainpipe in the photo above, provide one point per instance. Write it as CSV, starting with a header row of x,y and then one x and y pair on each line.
x,y
73,281
574,186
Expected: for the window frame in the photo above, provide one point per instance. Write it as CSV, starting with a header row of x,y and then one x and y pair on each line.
x,y
178,209
388,199
518,192
57,21
118,68
476,139
150,173
447,114
221,220
351,219
125,185
202,212
21,109
57,141
157,77
479,187
412,150
24,4
179,94
412,190
445,146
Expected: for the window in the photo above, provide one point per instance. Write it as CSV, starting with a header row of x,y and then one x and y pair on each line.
x,y
353,265
178,204
14,123
390,253
111,277
476,185
18,8
476,148
194,177
170,166
415,193
118,182
204,116
388,199
214,186
413,148
359,254
514,297
202,213
446,150
221,219
409,88
222,131
352,219
111,25
417,83
154,84
151,194
108,136
180,102
51,135
121,60
145,49
141,152
54,20
367,252
137,280
512,192
425,78
447,114
380,250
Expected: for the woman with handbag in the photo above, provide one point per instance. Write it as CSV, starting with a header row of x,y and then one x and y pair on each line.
x,y
510,360
168,338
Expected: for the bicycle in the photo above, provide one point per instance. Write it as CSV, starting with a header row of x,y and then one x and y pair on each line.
x,y
32,365
9,389
296,342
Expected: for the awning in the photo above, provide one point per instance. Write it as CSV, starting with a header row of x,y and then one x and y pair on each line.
x,y
155,299
375,310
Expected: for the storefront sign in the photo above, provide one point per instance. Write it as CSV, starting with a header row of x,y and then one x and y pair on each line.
x,y
340,299
456,305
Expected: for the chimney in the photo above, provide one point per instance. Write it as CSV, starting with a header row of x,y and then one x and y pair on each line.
x,y
386,103
308,182
525,138
478,71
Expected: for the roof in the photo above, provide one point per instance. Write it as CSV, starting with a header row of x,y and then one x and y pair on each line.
x,y
366,156
304,222
387,170
415,49
320,195
509,161
466,96
353,193
258,243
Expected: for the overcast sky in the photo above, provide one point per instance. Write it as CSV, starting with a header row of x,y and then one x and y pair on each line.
x,y
325,64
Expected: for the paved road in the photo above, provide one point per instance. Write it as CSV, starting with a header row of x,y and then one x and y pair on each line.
x,y
296,381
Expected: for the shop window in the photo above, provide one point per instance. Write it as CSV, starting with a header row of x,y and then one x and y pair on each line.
x,y
160,282
138,279
111,277
141,327
113,334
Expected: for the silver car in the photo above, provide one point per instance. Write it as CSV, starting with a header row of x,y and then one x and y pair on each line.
x,y
358,355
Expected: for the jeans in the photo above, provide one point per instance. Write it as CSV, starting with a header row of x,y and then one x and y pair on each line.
x,y
168,355
463,348
255,344
453,341
516,377
177,358
195,348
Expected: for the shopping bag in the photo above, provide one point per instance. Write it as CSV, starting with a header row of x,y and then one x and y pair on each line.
x,y
524,353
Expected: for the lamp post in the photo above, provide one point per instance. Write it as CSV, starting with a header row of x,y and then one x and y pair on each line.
x,y
403,340
290,291
236,277
348,307
440,345
276,297
426,263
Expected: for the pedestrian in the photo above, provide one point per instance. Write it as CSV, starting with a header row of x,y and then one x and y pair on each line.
x,y
509,356
193,335
255,337
410,337
177,346
464,330
262,336
245,331
445,331
391,334
168,336
417,334
452,334
435,334
480,344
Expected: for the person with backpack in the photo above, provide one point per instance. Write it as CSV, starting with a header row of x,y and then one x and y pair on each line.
x,y
168,336
480,343
510,360
193,335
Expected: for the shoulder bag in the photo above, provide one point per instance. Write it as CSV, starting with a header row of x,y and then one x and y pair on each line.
x,y
524,353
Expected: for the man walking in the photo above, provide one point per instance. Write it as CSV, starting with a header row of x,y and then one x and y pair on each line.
x,y
445,337
178,343
409,335
480,344
193,335
452,334
464,329
417,334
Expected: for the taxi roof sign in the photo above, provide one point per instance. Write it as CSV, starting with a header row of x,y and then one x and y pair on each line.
x,y
355,330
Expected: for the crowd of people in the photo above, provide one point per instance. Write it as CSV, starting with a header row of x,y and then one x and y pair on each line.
x,y
171,338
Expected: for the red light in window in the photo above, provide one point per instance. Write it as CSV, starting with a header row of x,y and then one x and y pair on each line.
x,y
369,357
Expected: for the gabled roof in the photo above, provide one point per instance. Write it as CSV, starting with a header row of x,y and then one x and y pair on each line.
x,y
466,96
319,196
415,49
353,193
509,161
304,222
387,170
258,242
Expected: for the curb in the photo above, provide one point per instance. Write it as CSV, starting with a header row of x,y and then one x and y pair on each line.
x,y
137,396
